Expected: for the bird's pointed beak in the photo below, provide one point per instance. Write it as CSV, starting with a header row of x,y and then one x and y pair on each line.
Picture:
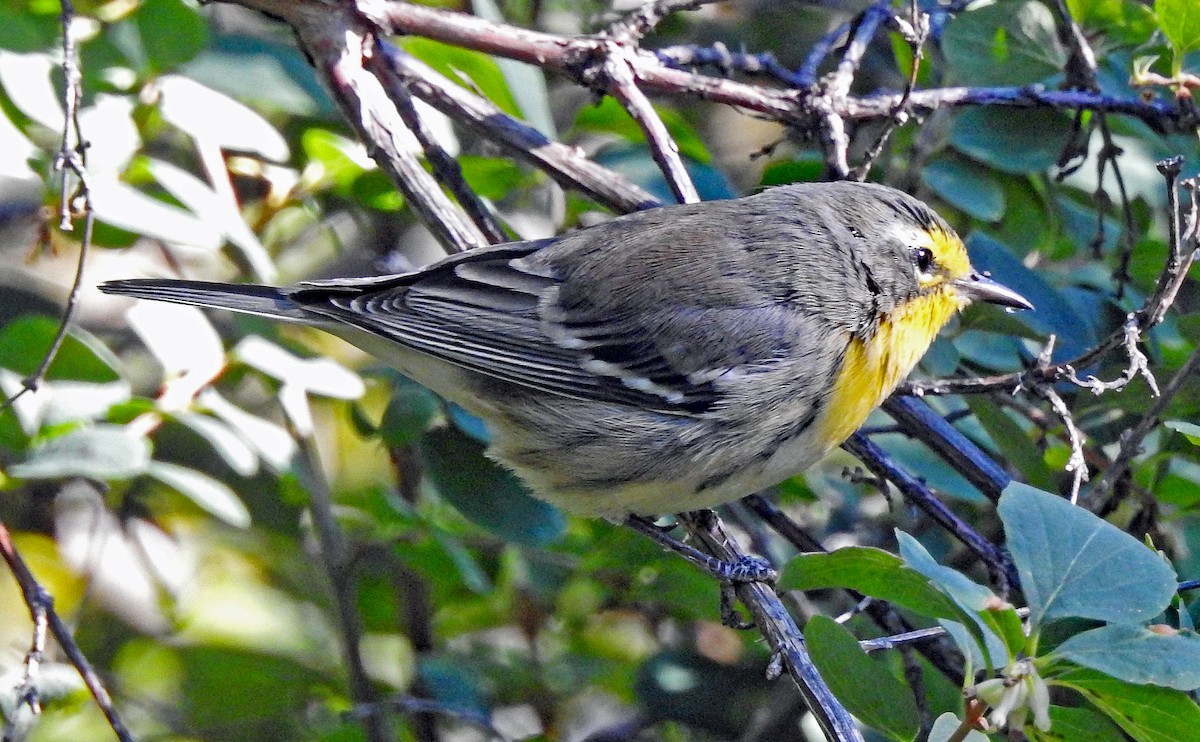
x,y
978,287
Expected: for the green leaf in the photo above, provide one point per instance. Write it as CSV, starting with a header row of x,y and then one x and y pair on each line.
x,y
1074,564
1011,140
1180,23
172,32
1004,43
966,187
1014,444
408,413
227,443
492,177
966,592
1123,21
210,494
1147,713
1052,313
1138,655
1069,724
96,452
872,572
1074,724
1191,431
472,70
526,81
339,157
484,492
866,687
608,115
23,32
24,341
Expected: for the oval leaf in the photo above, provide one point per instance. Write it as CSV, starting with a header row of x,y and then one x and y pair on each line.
x,y
866,687
1004,43
97,452
1138,655
1146,712
872,572
210,494
1011,140
1072,563
484,492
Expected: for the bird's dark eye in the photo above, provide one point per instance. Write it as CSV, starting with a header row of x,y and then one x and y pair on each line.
x,y
923,258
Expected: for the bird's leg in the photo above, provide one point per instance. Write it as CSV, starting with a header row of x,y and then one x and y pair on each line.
x,y
744,569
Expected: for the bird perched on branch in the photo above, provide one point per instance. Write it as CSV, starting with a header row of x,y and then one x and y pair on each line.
x,y
667,360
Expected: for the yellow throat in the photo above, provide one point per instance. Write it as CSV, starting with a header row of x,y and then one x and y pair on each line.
x,y
871,369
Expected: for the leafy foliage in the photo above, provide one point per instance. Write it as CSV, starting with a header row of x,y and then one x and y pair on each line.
x,y
165,482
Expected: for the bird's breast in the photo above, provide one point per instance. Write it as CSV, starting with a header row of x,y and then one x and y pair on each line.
x,y
872,367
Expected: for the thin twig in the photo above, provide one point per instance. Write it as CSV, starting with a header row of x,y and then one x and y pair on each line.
x,y
916,493
71,161
334,557
620,83
779,628
881,612
1180,259
915,31
338,42
566,165
920,421
41,607
1131,442
448,171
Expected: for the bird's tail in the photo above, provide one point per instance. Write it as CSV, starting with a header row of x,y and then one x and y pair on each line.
x,y
266,301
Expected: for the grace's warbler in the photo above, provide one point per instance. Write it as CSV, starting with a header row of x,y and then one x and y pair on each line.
x,y
667,360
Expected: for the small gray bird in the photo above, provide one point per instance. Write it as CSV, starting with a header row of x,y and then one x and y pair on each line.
x,y
667,360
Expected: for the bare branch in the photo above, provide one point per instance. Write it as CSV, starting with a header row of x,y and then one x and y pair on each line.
x,y
567,165
779,628
618,69
41,608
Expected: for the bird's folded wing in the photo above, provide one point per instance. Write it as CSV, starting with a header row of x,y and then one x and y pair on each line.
x,y
487,312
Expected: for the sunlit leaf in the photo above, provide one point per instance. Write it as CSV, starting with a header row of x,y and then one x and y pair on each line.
x,y
210,494
98,452
25,340
1191,431
1180,23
